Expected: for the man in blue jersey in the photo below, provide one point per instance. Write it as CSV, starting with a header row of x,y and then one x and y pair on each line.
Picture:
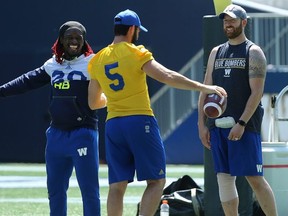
x,y
133,142
72,138
239,66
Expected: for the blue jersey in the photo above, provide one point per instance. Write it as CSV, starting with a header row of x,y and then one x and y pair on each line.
x,y
69,89
230,68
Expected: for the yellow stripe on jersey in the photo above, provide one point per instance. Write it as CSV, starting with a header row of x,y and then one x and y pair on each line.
x,y
118,69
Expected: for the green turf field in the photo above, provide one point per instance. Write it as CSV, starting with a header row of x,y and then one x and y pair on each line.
x,y
23,189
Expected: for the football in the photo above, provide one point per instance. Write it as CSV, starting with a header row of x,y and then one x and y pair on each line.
x,y
214,105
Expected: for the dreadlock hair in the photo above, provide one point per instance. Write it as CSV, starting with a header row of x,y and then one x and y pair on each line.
x,y
57,47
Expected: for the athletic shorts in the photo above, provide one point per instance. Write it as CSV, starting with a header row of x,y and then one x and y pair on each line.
x,y
134,144
238,158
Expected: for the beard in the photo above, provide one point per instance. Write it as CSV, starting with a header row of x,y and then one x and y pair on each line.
x,y
234,34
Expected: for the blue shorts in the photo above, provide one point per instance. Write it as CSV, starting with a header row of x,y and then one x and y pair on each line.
x,y
133,143
238,158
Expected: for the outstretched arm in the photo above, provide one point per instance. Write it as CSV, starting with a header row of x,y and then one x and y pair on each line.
x,y
162,74
26,82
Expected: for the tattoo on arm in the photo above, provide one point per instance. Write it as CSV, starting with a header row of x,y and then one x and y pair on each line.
x,y
257,64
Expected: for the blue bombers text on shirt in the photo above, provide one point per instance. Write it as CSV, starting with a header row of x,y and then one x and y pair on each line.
x,y
230,63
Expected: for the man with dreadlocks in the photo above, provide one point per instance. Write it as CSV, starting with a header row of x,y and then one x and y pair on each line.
x,y
72,138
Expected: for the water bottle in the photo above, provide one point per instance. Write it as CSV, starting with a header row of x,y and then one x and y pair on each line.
x,y
164,208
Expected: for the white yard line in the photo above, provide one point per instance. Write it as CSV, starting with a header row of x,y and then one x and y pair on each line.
x,y
40,182
102,168
127,200
29,168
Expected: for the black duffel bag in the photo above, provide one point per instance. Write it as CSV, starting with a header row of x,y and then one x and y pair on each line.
x,y
187,202
184,196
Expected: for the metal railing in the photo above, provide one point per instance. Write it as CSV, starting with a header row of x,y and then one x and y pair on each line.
x,y
270,32
171,106
273,135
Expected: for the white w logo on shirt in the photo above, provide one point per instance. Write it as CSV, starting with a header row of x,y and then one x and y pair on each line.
x,y
259,168
82,151
227,72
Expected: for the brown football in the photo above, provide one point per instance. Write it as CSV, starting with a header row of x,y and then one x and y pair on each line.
x,y
214,105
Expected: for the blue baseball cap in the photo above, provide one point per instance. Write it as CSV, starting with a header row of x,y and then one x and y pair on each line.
x,y
130,18
234,11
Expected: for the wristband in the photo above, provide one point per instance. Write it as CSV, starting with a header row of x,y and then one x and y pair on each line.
x,y
242,123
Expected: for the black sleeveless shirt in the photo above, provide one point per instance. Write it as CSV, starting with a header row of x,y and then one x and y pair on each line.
x,y
231,71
